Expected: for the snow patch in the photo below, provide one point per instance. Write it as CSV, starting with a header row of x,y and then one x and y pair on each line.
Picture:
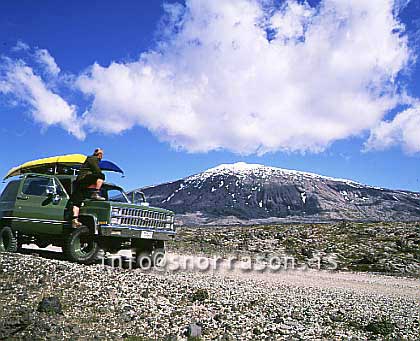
x,y
243,170
168,198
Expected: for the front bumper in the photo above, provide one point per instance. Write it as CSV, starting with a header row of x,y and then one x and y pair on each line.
x,y
135,232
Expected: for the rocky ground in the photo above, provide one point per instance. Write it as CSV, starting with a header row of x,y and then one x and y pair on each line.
x,y
387,248
43,296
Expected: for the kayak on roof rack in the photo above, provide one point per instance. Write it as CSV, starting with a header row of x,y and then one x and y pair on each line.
x,y
62,164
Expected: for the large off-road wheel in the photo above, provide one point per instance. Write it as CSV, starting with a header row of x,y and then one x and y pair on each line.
x,y
8,242
158,256
152,256
143,260
80,246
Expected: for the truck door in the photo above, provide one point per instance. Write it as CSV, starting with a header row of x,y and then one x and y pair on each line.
x,y
41,205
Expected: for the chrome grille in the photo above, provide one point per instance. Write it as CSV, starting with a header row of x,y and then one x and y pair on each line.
x,y
141,218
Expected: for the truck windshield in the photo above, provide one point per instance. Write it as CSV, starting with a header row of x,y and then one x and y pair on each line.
x,y
115,194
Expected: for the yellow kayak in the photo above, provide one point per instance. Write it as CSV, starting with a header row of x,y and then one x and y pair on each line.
x,y
70,160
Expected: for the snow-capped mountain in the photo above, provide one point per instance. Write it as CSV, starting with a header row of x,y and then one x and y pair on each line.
x,y
241,192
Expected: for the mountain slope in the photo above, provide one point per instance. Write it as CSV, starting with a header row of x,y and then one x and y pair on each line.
x,y
240,192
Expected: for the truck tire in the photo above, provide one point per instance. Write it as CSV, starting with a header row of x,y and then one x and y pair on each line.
x,y
148,259
143,260
158,256
80,247
8,242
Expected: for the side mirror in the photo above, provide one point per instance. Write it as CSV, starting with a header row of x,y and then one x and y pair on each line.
x,y
56,199
50,191
52,194
135,194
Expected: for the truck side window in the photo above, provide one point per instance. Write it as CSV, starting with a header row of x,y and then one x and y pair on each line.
x,y
66,183
10,192
36,185
114,195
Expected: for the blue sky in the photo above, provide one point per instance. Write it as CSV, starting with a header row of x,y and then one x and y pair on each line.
x,y
79,34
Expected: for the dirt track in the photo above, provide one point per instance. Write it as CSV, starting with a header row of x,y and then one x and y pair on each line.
x,y
379,284
373,283
227,304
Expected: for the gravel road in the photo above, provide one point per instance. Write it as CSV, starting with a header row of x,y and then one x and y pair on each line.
x,y
387,285
115,303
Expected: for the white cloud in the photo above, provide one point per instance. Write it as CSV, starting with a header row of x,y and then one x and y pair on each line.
x,y
402,130
244,76
45,59
20,46
46,107
217,82
5,87
41,56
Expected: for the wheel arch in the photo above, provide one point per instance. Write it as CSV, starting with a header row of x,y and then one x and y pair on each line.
x,y
6,222
90,221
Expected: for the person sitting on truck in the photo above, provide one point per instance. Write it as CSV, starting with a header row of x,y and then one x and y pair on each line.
x,y
90,178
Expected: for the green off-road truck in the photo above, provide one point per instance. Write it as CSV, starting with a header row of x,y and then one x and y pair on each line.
x,y
35,209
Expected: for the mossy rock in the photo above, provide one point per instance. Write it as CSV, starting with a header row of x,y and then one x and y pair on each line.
x,y
380,327
200,295
50,306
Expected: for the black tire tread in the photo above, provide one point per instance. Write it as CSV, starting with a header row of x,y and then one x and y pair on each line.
x,y
159,248
157,255
13,245
68,247
146,255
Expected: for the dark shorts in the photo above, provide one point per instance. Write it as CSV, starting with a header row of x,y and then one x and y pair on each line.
x,y
80,187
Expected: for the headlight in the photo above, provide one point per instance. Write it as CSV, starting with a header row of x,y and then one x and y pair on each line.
x,y
170,218
115,211
116,221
